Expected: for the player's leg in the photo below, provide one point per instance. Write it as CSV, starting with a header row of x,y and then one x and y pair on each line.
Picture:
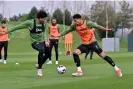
x,y
70,49
5,51
87,53
91,54
51,47
47,54
39,47
56,50
1,55
44,57
100,52
65,49
40,59
78,51
1,46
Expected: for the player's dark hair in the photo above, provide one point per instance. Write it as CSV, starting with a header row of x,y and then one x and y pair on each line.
x,y
76,16
41,14
3,22
53,19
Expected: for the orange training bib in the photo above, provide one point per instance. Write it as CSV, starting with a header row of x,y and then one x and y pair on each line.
x,y
87,35
3,37
54,31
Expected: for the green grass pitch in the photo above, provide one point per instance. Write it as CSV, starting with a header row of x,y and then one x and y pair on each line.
x,y
97,73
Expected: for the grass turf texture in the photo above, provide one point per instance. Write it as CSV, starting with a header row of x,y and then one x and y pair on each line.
x,y
98,73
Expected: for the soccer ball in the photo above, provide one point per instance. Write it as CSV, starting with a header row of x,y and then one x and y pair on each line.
x,y
61,69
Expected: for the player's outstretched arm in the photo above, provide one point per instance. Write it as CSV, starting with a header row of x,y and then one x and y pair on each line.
x,y
23,25
94,25
70,29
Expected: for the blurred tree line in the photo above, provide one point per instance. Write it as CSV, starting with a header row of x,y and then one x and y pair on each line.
x,y
116,19
58,14
99,12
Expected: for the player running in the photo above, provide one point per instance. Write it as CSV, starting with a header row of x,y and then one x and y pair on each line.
x,y
38,30
3,41
82,27
54,39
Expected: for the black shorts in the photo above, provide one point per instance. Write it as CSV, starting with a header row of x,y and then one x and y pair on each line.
x,y
3,43
40,46
93,46
54,42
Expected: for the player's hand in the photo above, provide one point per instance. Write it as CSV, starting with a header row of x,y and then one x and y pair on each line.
x,y
47,43
6,33
52,35
2,34
59,35
108,29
